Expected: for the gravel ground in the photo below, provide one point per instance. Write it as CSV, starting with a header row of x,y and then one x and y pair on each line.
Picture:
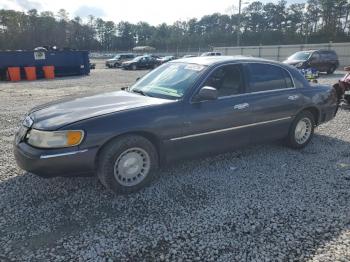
x,y
260,203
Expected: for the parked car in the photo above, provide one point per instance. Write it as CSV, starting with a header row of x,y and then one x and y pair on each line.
x,y
119,59
343,86
141,62
211,54
189,56
187,107
165,59
322,60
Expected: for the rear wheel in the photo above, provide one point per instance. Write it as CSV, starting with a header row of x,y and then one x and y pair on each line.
x,y
301,130
127,164
347,99
331,70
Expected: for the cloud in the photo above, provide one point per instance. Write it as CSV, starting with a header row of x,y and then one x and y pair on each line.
x,y
84,11
28,4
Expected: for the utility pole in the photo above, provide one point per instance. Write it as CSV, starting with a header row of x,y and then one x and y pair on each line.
x,y
239,23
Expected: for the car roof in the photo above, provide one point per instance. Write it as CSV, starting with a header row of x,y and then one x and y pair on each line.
x,y
213,60
318,50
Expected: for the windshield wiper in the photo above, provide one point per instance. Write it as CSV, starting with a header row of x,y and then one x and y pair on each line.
x,y
139,91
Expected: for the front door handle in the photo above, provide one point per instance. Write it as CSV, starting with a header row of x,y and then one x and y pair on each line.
x,y
293,97
241,106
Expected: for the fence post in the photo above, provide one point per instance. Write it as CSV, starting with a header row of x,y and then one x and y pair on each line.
x,y
260,50
278,53
241,50
330,45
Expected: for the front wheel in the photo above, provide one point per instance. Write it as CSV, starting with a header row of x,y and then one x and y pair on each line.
x,y
331,70
133,67
301,130
127,164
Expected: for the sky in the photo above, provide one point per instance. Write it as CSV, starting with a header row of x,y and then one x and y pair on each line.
x,y
151,11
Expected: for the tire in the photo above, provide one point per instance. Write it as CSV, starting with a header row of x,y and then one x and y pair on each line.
x,y
331,70
297,140
113,169
347,99
134,67
115,65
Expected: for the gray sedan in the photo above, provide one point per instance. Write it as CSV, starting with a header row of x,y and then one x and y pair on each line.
x,y
184,108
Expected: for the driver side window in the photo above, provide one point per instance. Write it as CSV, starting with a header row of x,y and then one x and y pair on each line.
x,y
227,80
315,56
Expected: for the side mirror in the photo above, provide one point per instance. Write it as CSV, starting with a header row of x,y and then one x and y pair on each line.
x,y
137,79
206,93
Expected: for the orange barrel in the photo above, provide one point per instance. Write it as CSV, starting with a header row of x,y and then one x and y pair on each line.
x,y
49,72
30,72
14,73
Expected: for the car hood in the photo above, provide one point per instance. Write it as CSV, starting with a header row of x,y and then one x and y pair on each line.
x,y
112,60
293,62
55,115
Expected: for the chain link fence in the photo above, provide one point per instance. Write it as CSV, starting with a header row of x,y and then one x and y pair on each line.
x,y
281,52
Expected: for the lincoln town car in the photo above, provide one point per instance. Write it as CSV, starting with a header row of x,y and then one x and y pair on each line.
x,y
184,108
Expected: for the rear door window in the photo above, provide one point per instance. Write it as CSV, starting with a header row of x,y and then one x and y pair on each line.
x,y
265,77
329,56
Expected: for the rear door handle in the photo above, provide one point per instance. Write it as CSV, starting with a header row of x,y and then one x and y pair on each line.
x,y
241,106
293,97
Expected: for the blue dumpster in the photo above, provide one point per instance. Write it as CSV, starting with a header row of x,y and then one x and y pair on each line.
x,y
66,63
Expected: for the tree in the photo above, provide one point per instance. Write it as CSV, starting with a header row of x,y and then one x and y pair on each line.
x,y
261,23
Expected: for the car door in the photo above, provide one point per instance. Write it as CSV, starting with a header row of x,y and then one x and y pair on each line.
x,y
273,100
315,61
217,125
142,62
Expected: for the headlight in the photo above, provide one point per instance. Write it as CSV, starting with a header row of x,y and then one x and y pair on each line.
x,y
54,139
299,64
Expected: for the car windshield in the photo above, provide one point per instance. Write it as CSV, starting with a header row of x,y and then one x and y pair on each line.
x,y
300,56
116,57
169,81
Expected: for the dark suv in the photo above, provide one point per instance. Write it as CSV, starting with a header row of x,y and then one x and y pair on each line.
x,y
322,60
141,62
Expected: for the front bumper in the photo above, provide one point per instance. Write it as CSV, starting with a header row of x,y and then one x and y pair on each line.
x,y
109,64
55,162
126,66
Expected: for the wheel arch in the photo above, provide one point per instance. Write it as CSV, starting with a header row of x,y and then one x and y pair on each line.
x,y
154,139
314,111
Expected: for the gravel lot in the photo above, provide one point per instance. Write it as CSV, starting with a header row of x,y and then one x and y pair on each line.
x,y
260,203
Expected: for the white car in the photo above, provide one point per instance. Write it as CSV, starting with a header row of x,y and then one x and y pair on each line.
x,y
211,54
